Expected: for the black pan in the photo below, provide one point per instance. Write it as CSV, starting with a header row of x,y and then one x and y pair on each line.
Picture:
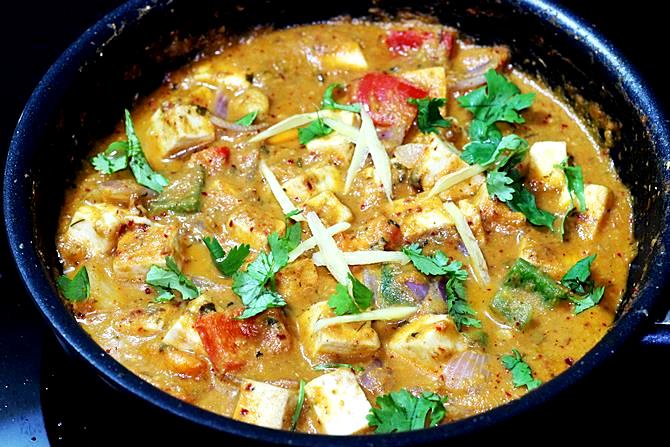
x,y
126,55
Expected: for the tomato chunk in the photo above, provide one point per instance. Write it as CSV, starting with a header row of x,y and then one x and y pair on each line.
x,y
401,42
231,343
385,97
226,339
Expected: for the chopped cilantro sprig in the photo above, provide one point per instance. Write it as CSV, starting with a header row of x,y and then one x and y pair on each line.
x,y
401,411
578,279
458,307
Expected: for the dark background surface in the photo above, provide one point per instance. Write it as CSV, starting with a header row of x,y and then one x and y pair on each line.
x,y
627,396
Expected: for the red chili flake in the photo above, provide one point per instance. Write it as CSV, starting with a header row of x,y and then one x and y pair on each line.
x,y
147,291
244,412
569,361
400,42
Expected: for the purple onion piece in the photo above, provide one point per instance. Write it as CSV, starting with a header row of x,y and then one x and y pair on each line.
x,y
221,105
418,289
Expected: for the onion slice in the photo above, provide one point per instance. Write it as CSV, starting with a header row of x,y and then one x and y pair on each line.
x,y
365,257
220,122
332,254
310,243
463,369
282,198
386,314
477,261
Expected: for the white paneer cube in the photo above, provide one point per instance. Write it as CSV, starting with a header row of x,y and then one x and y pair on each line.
x,y
420,218
329,208
350,340
312,182
346,56
335,144
433,79
178,126
263,404
93,229
339,403
543,157
183,336
141,247
597,199
428,341
247,224
435,162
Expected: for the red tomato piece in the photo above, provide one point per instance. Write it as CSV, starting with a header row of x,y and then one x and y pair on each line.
x,y
386,99
400,42
226,339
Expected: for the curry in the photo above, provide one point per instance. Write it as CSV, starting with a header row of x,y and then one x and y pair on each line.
x,y
332,227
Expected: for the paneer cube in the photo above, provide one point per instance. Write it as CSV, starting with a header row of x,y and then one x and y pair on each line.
x,y
314,181
433,79
346,341
263,404
178,126
141,247
598,200
183,336
339,403
335,144
329,208
428,341
543,157
435,162
346,56
420,218
249,224
495,215
93,229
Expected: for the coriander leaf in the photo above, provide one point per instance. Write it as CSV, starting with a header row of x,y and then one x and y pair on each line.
x,y
315,129
497,185
429,117
327,366
251,283
523,201
344,303
458,307
170,279
575,180
282,246
341,302
564,218
139,165
577,278
290,214
522,375
113,159
230,264
329,102
259,303
298,406
76,289
590,300
499,100
401,411
248,119
438,264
